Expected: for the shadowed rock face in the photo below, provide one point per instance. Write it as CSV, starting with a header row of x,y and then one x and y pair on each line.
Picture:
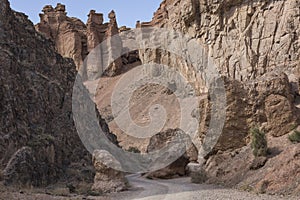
x,y
39,144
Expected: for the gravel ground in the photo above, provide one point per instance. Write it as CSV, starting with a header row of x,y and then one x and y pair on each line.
x,y
182,189
145,189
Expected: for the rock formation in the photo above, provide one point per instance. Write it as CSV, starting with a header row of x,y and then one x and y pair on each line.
x,y
246,38
73,39
39,142
177,168
68,34
249,41
107,179
255,45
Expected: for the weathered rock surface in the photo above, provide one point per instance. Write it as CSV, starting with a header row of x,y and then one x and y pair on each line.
x,y
178,167
246,38
255,45
39,142
249,42
73,39
18,168
252,43
107,178
276,96
278,174
68,34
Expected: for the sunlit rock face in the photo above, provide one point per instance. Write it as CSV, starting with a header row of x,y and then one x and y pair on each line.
x,y
74,39
256,48
251,43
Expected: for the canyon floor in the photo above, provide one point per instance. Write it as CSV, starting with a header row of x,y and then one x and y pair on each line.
x,y
146,189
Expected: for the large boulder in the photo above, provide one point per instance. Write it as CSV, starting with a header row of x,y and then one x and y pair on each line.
x,y
178,167
108,176
275,99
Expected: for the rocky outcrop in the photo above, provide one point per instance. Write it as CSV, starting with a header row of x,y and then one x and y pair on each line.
x,y
249,42
39,142
277,99
178,167
68,34
73,39
255,45
107,178
276,175
246,38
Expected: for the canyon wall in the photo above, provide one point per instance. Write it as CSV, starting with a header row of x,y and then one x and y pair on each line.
x,y
256,47
252,43
39,144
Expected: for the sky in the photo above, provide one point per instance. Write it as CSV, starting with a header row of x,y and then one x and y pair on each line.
x,y
127,11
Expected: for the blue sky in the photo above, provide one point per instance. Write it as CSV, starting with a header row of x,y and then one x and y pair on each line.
x,y
128,11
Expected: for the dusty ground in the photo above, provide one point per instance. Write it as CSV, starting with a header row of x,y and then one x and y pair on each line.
x,y
145,189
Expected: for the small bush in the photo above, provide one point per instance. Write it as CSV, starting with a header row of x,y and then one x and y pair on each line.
x,y
259,143
295,136
294,126
134,150
94,193
246,188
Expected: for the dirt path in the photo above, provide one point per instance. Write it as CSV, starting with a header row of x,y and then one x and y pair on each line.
x,y
146,189
182,189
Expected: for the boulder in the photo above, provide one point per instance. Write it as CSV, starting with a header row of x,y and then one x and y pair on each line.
x,y
178,167
109,177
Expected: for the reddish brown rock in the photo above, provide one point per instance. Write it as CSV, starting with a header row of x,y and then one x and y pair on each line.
x,y
178,167
278,174
67,33
276,100
255,45
247,53
73,39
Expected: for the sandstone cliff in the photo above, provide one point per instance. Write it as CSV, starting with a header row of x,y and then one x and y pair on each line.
x,y
256,47
248,40
74,39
